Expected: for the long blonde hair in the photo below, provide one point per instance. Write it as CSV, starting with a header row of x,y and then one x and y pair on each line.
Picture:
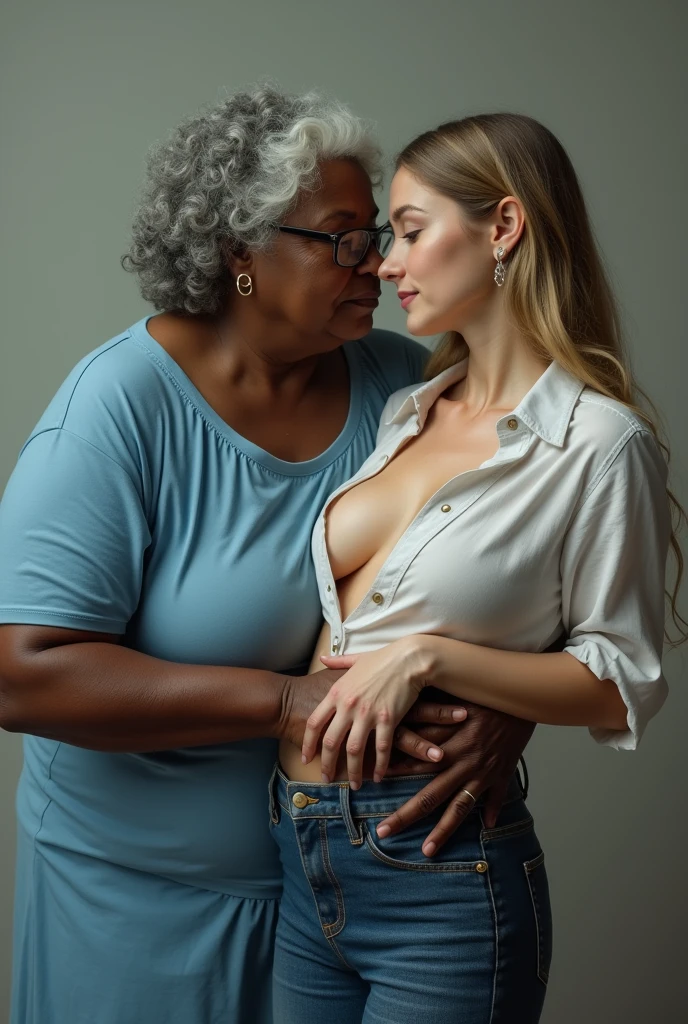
x,y
556,291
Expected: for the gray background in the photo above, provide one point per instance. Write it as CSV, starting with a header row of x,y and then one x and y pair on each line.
x,y
86,86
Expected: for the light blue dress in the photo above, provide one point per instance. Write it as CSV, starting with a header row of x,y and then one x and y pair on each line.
x,y
148,884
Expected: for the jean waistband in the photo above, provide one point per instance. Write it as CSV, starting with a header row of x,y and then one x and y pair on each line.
x,y
337,799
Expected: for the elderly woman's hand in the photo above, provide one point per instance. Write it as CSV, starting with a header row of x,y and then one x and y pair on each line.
x,y
479,759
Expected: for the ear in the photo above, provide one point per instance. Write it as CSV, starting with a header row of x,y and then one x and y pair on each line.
x,y
240,262
508,224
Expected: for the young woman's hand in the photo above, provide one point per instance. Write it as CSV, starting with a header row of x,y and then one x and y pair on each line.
x,y
432,723
374,695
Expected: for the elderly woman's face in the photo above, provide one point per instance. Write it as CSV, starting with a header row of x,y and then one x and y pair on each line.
x,y
298,284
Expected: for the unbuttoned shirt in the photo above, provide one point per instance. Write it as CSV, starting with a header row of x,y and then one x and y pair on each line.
x,y
563,532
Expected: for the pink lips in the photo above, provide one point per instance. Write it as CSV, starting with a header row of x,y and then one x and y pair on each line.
x,y
407,298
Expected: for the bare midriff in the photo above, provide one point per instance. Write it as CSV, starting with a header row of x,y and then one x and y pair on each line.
x,y
365,523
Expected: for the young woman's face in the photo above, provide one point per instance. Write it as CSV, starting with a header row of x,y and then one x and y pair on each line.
x,y
443,270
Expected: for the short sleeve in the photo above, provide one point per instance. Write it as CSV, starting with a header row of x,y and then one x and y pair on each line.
x,y
72,537
613,578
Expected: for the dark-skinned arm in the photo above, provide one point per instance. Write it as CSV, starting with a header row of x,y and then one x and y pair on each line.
x,y
86,689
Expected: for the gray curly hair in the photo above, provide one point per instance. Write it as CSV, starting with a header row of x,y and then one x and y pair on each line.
x,y
221,182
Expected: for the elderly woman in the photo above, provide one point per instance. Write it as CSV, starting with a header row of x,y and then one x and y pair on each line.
x,y
156,529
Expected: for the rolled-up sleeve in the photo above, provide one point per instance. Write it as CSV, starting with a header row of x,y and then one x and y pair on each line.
x,y
613,579
73,534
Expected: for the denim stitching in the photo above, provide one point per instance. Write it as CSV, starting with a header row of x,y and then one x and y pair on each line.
x,y
317,816
530,866
355,835
329,941
329,929
308,879
496,926
339,953
314,815
507,830
453,867
274,816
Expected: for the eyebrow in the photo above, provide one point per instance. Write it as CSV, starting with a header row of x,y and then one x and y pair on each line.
x,y
401,210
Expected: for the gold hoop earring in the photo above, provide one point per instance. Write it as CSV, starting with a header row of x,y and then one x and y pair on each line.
x,y
244,287
500,272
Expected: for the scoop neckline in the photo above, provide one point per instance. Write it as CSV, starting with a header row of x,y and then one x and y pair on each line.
x,y
253,451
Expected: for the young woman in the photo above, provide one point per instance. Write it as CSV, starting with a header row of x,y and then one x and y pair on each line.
x,y
516,498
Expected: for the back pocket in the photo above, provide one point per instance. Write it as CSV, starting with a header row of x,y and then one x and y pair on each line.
x,y
536,876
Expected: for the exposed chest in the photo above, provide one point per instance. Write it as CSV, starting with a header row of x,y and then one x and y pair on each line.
x,y
366,521
480,561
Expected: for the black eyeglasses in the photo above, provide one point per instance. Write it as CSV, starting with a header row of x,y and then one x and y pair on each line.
x,y
349,248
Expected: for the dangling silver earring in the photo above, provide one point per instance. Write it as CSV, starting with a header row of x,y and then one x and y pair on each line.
x,y
500,272
244,287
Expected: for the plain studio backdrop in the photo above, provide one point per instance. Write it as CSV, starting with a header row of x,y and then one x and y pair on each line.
x,y
86,86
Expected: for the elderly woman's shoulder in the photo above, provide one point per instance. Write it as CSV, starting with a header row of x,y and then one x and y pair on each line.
x,y
392,359
113,391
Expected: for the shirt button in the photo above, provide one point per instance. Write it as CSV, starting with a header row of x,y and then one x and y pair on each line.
x,y
329,589
335,644
512,423
299,800
446,508
378,598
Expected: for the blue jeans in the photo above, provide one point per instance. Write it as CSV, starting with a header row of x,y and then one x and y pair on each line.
x,y
370,930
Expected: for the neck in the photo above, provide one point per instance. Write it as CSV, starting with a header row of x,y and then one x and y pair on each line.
x,y
264,356
502,367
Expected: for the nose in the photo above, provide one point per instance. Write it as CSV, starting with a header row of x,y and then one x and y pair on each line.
x,y
370,262
390,267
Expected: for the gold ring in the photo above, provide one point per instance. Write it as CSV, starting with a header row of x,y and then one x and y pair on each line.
x,y
469,794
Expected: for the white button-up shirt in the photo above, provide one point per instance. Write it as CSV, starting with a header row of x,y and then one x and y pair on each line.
x,y
564,531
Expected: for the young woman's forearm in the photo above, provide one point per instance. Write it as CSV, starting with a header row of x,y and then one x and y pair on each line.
x,y
553,689
103,696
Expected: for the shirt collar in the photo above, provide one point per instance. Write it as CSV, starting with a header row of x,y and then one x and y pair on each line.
x,y
419,402
546,409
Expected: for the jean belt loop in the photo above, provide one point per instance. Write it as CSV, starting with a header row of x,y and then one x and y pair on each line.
x,y
526,782
344,800
274,805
